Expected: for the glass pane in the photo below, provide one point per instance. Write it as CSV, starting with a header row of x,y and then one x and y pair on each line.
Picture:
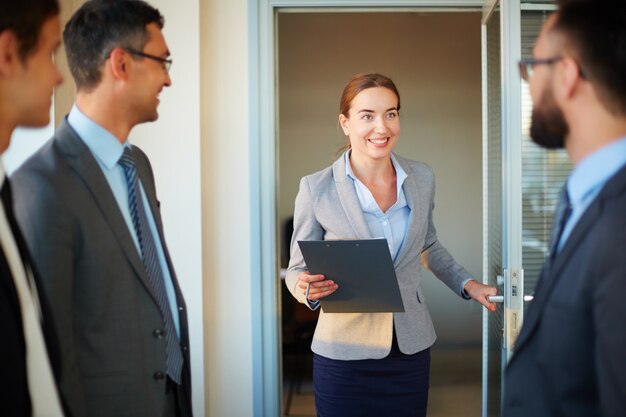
x,y
494,210
543,173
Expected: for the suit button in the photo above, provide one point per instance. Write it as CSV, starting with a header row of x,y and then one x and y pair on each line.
x,y
185,348
159,375
158,333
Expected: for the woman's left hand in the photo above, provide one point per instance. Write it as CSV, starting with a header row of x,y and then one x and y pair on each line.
x,y
479,292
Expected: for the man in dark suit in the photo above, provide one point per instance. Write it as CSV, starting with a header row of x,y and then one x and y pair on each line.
x,y
570,357
90,215
29,357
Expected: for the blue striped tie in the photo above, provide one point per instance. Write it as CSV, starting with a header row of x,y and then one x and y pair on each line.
x,y
153,266
561,215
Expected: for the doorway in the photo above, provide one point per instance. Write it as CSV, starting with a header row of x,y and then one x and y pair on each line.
x,y
435,60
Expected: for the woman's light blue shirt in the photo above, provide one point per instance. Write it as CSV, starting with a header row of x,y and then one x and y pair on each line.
x,y
392,224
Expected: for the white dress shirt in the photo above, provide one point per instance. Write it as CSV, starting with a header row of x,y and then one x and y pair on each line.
x,y
44,397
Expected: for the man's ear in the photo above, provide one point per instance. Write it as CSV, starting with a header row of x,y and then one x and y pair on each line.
x,y
9,52
119,63
343,122
569,77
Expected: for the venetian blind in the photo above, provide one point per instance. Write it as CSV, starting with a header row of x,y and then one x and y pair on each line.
x,y
543,173
495,209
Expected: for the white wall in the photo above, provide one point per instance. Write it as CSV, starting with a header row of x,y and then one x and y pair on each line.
x,y
173,145
434,59
226,208
24,142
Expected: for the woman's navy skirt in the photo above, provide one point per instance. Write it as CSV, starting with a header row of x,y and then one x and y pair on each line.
x,y
395,386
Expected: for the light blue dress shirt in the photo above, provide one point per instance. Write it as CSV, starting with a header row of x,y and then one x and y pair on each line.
x,y
392,224
107,151
588,178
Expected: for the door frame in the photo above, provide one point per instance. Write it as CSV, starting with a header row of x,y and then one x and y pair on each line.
x,y
511,209
264,249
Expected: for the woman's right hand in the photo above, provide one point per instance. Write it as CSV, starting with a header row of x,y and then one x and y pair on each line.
x,y
319,287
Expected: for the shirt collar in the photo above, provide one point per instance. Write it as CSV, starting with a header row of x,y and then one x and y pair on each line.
x,y
103,145
3,175
400,173
593,171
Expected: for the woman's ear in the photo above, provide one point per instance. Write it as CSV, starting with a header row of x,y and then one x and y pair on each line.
x,y
343,122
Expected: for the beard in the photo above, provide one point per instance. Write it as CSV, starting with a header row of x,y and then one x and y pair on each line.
x,y
548,127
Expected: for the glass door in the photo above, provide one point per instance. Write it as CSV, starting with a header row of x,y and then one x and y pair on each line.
x,y
502,185
521,182
492,206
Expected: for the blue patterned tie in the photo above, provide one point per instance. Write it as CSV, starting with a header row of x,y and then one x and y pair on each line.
x,y
153,266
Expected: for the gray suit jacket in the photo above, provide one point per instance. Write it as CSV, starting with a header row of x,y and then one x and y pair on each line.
x,y
327,207
102,302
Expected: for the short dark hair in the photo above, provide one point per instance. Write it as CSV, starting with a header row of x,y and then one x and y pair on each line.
x,y
596,31
98,27
25,18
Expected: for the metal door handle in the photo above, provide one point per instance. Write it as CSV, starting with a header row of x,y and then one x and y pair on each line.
x,y
500,298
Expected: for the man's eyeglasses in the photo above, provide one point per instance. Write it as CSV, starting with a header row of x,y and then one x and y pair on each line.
x,y
527,66
167,63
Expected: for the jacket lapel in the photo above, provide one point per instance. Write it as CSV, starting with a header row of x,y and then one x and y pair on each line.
x,y
80,159
349,200
411,195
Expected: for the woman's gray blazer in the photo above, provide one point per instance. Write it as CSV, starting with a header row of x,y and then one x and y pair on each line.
x,y
327,207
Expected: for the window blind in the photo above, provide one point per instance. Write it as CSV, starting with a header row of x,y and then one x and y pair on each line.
x,y
543,173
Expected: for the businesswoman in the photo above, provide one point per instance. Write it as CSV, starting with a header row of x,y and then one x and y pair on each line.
x,y
374,364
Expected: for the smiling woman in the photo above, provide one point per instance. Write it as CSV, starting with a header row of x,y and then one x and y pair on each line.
x,y
371,122
370,192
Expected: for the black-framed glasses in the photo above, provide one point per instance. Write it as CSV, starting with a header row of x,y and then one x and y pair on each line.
x,y
166,62
527,66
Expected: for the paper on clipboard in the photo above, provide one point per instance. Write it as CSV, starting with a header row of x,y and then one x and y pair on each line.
x,y
362,268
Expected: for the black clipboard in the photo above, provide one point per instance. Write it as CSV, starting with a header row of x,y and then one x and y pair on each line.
x,y
362,268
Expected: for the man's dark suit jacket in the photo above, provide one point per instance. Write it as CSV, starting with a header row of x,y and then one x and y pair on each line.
x,y
570,357
14,395
109,323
